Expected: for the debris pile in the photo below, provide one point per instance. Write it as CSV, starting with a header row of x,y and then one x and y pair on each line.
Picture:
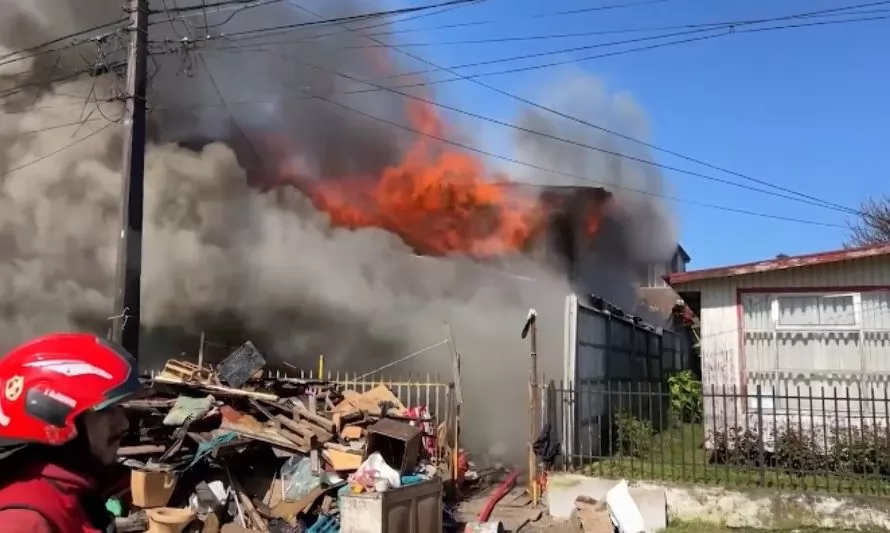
x,y
223,449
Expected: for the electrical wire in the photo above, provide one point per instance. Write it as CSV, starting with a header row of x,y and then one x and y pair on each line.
x,y
803,198
729,30
605,151
609,186
56,151
204,7
536,16
456,2
519,69
798,196
525,17
684,171
63,38
351,18
225,105
548,37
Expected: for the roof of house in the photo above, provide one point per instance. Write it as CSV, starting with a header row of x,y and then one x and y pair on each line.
x,y
683,253
778,263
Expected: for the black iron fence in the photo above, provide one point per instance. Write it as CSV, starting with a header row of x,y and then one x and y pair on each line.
x,y
805,438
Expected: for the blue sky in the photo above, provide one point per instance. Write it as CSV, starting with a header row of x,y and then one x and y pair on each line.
x,y
803,108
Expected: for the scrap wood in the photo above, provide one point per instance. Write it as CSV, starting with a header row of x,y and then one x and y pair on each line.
x,y
369,401
247,504
315,418
351,433
141,449
148,404
218,389
300,429
342,461
186,372
342,418
256,405
290,510
299,440
263,435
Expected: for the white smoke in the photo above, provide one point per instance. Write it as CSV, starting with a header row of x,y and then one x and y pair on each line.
x,y
221,256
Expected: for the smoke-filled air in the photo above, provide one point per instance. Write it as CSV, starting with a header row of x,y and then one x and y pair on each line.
x,y
277,210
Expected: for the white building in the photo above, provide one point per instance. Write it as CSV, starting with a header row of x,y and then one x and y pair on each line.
x,y
812,326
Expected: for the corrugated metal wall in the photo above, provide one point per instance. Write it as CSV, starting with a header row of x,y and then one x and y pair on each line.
x,y
789,364
609,358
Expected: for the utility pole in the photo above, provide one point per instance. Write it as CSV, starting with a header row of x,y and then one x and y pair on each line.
x,y
530,331
127,283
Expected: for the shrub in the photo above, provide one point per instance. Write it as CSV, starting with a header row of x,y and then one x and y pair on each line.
x,y
861,450
795,452
737,446
635,436
685,394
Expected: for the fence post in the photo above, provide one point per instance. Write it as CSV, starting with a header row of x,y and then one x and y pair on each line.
x,y
760,444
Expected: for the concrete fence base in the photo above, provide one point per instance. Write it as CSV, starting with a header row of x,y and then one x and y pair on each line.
x,y
757,508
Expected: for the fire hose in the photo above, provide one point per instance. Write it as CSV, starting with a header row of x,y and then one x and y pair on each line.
x,y
502,490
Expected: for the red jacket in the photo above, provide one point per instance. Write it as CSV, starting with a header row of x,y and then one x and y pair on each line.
x,y
45,498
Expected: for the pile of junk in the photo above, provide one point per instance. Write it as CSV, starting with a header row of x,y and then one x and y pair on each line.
x,y
230,449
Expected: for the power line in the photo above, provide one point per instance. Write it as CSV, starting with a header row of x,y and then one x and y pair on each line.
x,y
732,29
56,151
63,38
817,202
351,18
548,37
802,199
802,196
506,71
226,106
727,31
537,16
65,125
222,99
570,175
798,196
459,145
263,46
213,6
606,151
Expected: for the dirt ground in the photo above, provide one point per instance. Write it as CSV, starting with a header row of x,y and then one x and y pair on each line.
x,y
549,525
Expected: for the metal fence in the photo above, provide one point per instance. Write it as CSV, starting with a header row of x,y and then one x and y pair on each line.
x,y
817,439
413,390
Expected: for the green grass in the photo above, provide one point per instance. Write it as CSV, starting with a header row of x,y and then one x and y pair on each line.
x,y
677,455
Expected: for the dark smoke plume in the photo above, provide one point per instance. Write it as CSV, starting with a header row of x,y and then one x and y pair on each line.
x,y
228,252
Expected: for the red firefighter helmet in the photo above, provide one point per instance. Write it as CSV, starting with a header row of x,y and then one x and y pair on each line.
x,y
47,382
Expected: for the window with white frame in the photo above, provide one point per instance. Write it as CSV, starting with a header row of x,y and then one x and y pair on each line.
x,y
812,344
817,311
656,275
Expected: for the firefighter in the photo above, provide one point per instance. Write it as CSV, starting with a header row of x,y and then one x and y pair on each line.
x,y
61,426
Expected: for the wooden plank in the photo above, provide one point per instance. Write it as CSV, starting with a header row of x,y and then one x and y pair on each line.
x,y
315,418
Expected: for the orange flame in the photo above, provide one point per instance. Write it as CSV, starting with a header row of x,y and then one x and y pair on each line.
x,y
438,200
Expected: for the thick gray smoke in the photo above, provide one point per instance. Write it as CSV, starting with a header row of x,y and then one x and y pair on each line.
x,y
223,257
